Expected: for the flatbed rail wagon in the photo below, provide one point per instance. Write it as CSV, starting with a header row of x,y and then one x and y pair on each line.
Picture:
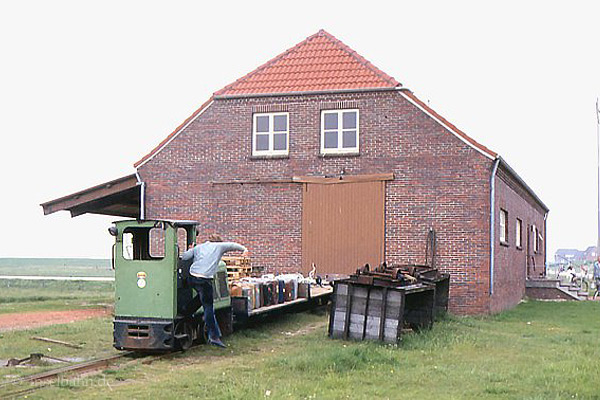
x,y
152,290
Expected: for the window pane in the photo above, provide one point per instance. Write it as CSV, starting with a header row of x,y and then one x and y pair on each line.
x,y
331,140
182,240
349,120
280,123
280,141
262,123
349,139
128,246
503,215
262,142
331,120
157,242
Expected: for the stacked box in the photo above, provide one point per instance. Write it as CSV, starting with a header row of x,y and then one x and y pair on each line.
x,y
237,267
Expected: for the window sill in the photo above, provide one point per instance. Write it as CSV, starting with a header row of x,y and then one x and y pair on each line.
x,y
349,154
505,244
270,157
519,248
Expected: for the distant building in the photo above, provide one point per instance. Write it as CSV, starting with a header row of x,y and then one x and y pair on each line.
x,y
591,253
564,256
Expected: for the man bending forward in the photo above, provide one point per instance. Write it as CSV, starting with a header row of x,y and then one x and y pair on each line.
x,y
206,258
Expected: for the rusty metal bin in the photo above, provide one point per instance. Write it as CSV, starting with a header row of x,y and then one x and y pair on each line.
x,y
442,293
368,312
441,281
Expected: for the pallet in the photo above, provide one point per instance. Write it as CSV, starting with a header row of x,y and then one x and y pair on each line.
x,y
234,261
238,272
233,276
237,267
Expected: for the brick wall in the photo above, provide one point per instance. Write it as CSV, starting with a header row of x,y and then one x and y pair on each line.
x,y
440,182
510,265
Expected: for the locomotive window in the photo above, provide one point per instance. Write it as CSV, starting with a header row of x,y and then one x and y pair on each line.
x,y
157,243
128,246
182,240
143,243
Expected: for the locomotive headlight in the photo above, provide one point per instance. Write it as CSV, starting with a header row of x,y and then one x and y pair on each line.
x,y
141,279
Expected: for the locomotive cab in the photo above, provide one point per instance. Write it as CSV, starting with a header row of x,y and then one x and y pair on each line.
x,y
151,287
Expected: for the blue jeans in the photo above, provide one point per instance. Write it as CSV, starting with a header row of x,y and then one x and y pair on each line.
x,y
205,296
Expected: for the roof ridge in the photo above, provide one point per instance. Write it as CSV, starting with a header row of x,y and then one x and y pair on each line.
x,y
245,83
269,62
359,58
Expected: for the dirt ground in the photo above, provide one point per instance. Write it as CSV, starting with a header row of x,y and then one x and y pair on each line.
x,y
18,321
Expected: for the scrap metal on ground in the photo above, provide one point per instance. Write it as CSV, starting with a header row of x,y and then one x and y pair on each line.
x,y
377,304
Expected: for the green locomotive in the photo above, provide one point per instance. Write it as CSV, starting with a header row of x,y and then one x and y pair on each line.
x,y
151,287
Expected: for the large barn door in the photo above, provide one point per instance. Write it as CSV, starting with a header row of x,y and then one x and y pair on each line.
x,y
342,226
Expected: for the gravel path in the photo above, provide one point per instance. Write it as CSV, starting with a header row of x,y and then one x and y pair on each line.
x,y
19,321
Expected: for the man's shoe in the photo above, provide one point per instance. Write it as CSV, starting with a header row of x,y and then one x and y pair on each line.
x,y
217,343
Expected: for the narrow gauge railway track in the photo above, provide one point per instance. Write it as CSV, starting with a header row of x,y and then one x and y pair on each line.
x,y
47,378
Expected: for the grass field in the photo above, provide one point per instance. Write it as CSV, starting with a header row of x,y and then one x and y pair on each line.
x,y
29,295
539,350
55,267
95,335
26,295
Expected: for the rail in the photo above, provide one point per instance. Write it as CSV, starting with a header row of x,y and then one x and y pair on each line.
x,y
47,378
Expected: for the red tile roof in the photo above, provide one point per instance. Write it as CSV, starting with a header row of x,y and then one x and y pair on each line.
x,y
320,62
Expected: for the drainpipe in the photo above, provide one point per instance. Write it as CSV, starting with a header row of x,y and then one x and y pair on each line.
x,y
545,243
142,196
493,222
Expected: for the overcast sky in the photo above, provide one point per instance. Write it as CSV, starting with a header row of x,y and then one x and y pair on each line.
x,y
88,88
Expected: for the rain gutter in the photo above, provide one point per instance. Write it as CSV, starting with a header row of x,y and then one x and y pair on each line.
x,y
493,222
142,185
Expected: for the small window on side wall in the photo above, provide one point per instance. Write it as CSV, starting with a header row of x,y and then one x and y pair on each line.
x,y
270,134
536,243
339,131
519,234
503,226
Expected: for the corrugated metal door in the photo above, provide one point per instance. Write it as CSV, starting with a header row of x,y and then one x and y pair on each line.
x,y
342,226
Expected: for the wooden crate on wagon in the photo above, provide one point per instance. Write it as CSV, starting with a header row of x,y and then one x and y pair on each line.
x,y
237,267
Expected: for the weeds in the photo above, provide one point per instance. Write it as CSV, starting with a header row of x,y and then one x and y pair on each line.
x,y
537,351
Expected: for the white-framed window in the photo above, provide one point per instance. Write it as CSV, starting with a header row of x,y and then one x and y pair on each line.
x,y
536,243
503,226
519,234
339,131
270,134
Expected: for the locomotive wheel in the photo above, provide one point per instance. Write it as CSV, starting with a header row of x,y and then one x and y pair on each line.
x,y
184,335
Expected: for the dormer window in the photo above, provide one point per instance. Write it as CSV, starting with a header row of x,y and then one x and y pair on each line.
x,y
339,131
270,134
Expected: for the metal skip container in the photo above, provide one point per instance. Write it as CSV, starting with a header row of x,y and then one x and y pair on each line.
x,y
367,312
378,304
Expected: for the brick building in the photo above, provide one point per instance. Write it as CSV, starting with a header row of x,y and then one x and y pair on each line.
x,y
319,157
